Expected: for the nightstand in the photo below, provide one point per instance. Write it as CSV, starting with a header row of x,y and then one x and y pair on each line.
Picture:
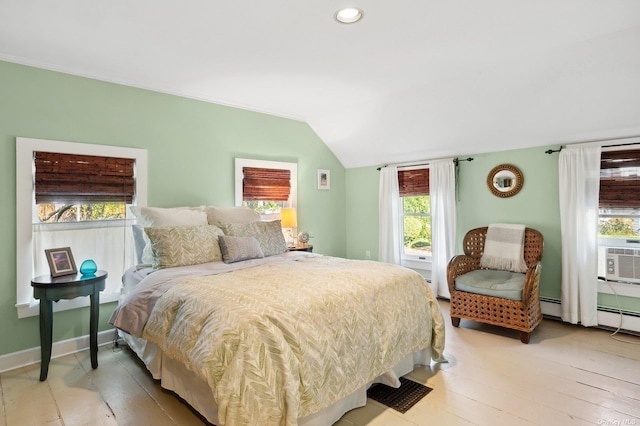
x,y
49,289
301,247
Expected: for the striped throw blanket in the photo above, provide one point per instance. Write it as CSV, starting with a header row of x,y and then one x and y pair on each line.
x,y
504,248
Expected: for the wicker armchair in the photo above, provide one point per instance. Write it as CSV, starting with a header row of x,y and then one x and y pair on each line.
x,y
522,315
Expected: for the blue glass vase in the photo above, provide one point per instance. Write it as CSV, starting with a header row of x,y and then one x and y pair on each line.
x,y
88,267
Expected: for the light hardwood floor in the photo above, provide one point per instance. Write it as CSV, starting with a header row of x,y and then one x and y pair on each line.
x,y
566,375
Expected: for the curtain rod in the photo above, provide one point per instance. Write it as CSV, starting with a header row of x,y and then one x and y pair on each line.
x,y
551,151
422,163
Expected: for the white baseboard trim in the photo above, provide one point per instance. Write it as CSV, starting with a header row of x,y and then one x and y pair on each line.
x,y
32,356
615,321
550,309
605,319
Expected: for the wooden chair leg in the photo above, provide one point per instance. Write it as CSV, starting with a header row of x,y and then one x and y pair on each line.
x,y
455,321
525,336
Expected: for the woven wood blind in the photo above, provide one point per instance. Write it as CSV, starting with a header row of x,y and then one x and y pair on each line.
x,y
266,184
70,178
413,182
619,180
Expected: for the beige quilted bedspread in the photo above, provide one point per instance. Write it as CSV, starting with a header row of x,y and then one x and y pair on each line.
x,y
281,341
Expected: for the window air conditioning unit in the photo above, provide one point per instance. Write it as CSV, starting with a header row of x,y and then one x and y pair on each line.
x,y
623,264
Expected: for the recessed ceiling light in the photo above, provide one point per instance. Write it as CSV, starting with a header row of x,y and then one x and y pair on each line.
x,y
349,15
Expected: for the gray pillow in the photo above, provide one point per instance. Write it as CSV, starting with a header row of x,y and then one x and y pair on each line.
x,y
235,249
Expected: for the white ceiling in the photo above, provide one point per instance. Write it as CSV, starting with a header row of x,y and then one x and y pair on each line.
x,y
414,79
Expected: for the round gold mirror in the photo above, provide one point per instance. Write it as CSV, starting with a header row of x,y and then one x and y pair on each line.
x,y
505,180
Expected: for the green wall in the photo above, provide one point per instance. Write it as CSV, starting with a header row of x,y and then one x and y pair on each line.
x,y
362,212
191,146
536,205
191,149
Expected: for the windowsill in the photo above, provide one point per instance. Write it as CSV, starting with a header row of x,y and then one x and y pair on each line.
x,y
26,310
424,265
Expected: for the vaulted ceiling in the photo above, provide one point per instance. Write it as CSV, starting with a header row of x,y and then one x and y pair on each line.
x,y
414,79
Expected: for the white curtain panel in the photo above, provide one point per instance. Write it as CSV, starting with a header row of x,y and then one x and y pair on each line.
x,y
579,180
442,189
389,215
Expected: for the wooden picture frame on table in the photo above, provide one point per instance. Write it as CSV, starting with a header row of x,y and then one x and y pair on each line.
x,y
61,261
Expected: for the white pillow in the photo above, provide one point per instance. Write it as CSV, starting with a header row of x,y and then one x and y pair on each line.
x,y
150,217
139,242
219,215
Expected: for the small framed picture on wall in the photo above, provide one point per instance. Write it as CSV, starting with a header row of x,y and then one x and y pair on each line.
x,y
60,261
324,179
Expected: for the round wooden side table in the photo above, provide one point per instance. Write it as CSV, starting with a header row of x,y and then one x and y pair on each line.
x,y
48,290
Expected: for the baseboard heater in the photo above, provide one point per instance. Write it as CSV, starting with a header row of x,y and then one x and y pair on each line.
x,y
608,318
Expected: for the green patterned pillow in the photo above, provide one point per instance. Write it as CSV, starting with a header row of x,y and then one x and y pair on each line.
x,y
184,245
235,249
269,235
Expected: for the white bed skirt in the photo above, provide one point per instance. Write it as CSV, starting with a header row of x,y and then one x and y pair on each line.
x,y
177,378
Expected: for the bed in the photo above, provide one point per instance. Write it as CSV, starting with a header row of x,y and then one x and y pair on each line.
x,y
280,339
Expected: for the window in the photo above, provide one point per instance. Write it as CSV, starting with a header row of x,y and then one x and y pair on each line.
x,y
413,186
79,188
619,206
266,186
619,213
61,201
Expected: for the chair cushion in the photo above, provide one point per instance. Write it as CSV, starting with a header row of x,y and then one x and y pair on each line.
x,y
491,282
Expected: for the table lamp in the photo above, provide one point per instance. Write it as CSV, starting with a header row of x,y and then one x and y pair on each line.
x,y
289,219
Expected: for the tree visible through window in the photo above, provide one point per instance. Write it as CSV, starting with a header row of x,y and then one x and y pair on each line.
x,y
417,225
55,212
413,185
